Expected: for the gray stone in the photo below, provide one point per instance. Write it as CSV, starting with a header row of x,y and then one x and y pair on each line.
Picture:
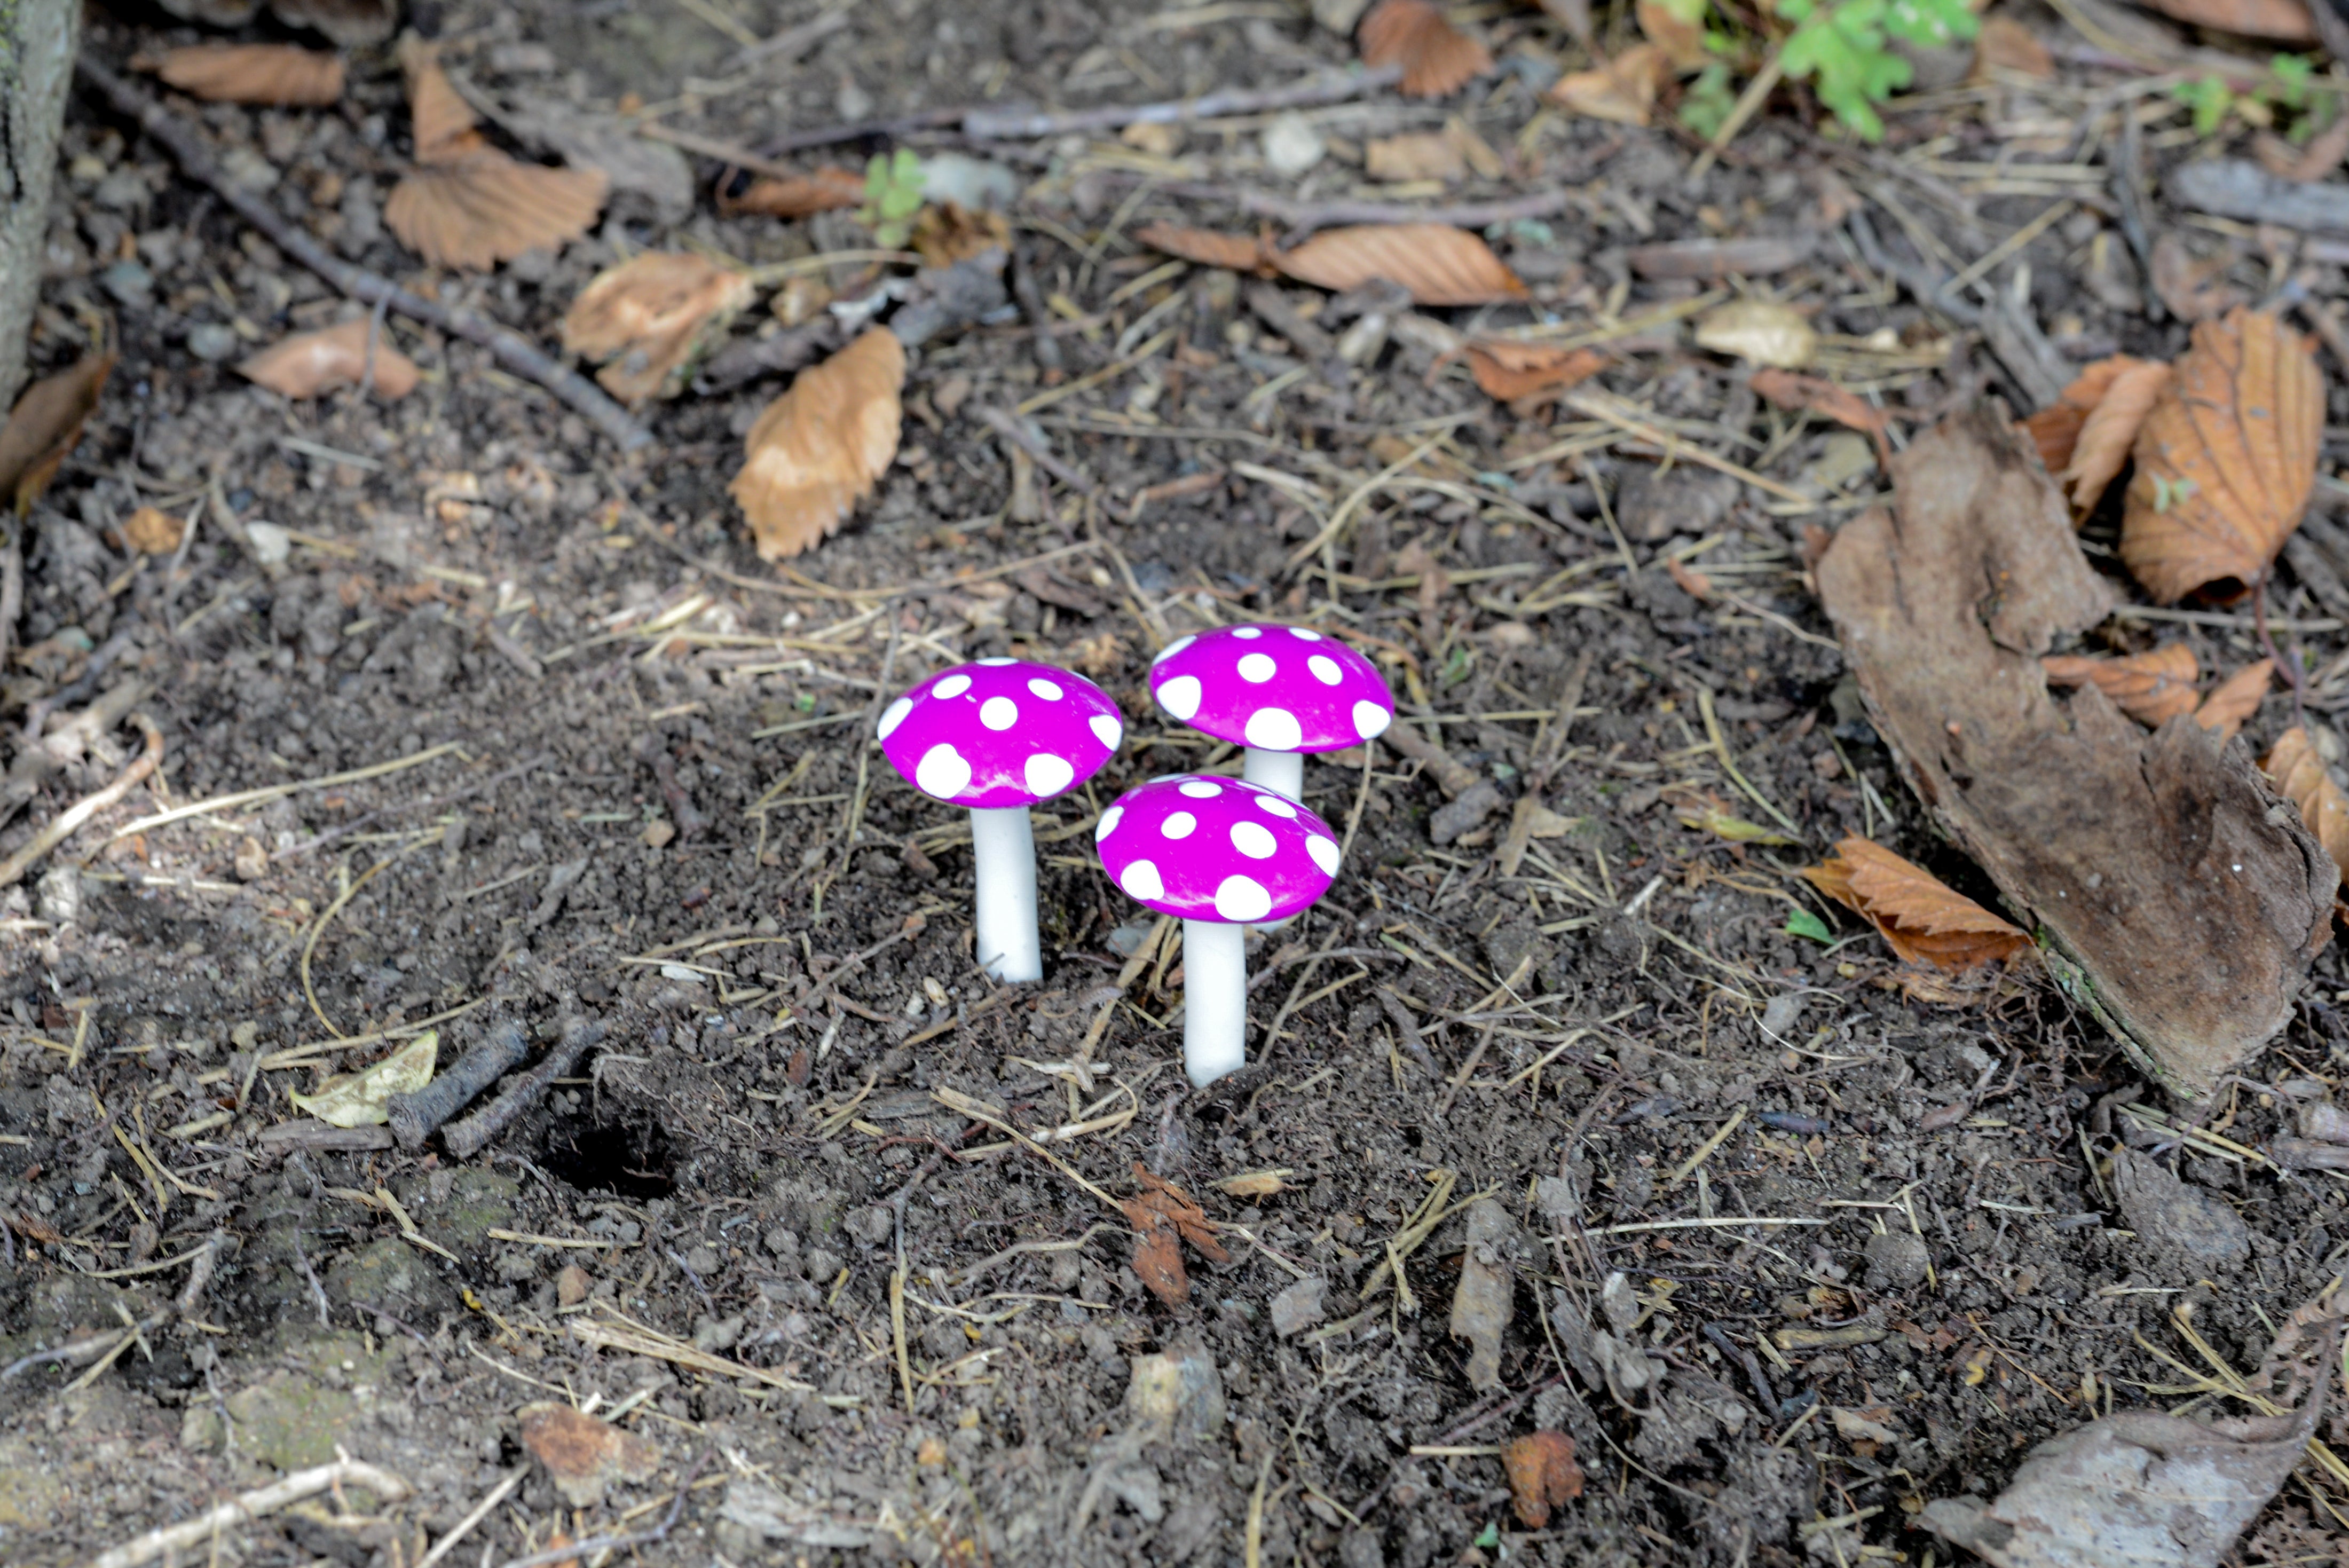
x,y
1896,1261
1291,145
2169,1215
211,342
1300,1307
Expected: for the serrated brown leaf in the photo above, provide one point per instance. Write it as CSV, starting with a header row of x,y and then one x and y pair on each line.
x,y
251,73
1621,91
2236,698
1921,918
1436,57
2225,460
2151,688
46,425
648,317
489,209
2287,21
2108,433
1542,1473
824,190
1439,263
2300,776
1511,371
1789,390
819,447
2055,428
310,363
1239,253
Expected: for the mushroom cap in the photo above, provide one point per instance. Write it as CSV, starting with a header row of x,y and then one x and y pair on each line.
x,y
1275,687
1211,848
1001,732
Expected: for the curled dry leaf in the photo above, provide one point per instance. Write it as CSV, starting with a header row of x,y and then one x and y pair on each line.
x,y
1415,155
824,189
583,1455
1923,919
818,448
253,73
2107,434
1760,331
2006,45
1677,27
45,426
1543,1475
362,1099
2055,428
310,363
470,205
1439,263
1623,90
2225,460
650,318
1510,370
2287,21
1163,1216
1823,396
945,233
1484,1299
2151,688
1256,1183
2300,776
1436,57
152,531
1208,248
2236,698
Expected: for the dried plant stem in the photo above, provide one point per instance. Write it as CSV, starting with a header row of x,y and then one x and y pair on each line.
x,y
357,282
175,1538
466,1137
69,821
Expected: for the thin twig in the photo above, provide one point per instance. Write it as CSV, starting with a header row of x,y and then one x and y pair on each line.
x,y
1012,125
466,1137
69,821
243,1508
2290,667
357,282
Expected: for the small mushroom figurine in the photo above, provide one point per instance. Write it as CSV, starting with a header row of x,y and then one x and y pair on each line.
x,y
1279,691
1000,736
1222,854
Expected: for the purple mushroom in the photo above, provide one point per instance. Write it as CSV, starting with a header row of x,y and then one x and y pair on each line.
x,y
1000,736
1279,691
1223,853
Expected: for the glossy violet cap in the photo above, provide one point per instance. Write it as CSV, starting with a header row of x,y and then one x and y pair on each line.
x,y
1216,849
1276,688
1001,732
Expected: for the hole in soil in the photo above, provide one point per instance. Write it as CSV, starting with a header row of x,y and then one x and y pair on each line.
x,y
624,1158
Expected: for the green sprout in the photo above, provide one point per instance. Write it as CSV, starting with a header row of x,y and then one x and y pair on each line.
x,y
1803,923
1705,107
1843,50
893,194
2293,73
2209,99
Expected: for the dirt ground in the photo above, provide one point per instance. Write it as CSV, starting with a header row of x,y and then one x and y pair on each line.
x,y
537,738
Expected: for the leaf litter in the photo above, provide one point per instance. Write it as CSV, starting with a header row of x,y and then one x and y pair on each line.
x,y
311,364
817,450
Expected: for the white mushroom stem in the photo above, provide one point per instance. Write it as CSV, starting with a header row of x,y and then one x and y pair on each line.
x,y
1283,772
1005,852
1215,1000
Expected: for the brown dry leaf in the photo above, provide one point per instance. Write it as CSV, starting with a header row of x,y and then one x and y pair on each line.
x,y
2055,428
2227,458
583,1455
470,205
1256,1183
2101,448
310,363
1436,57
1184,1211
1789,390
2195,288
1623,90
1923,919
817,450
152,531
489,209
45,426
2301,777
1680,38
2006,45
2151,688
2287,21
1439,263
1207,247
650,316
948,232
1509,370
2236,698
824,189
1163,1216
251,73
1543,1475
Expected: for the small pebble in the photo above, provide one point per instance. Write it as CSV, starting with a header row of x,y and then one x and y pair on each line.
x,y
1298,1307
211,342
571,1285
1291,145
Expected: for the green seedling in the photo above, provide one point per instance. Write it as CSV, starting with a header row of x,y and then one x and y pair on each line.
x,y
1803,923
1704,108
2209,99
1843,50
893,194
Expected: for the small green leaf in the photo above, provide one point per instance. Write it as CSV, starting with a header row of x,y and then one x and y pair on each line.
x,y
1705,107
1803,923
1489,1536
2293,74
2209,99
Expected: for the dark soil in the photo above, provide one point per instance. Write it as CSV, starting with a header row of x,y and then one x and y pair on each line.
x,y
645,796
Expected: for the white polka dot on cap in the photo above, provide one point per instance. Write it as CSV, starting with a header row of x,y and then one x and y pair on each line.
x,y
1200,789
1257,667
1181,697
893,716
1325,854
1274,730
1254,840
999,712
1106,730
1325,669
1179,825
1249,633
1108,823
1049,691
1370,721
1241,899
951,686
943,773
1141,879
1048,775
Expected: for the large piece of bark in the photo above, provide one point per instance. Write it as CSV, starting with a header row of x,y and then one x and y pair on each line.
x,y
36,55
2173,892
